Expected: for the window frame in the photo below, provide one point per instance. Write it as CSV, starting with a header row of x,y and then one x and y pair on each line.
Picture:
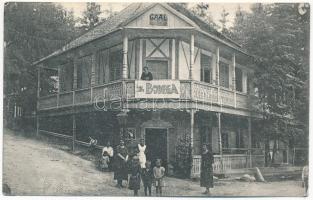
x,y
202,69
159,59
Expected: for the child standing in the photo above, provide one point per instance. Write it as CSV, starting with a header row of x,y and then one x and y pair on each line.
x,y
147,177
134,179
158,172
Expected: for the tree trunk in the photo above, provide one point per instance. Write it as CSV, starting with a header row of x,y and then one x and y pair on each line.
x,y
274,151
266,152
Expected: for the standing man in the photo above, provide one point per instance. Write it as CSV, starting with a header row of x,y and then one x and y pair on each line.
x,y
206,175
120,171
146,75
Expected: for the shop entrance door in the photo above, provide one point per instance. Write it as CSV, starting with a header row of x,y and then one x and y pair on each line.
x,y
156,141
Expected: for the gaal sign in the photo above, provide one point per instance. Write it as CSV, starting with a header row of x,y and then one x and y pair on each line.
x,y
158,19
157,89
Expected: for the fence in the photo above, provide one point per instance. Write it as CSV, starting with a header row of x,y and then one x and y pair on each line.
x,y
228,162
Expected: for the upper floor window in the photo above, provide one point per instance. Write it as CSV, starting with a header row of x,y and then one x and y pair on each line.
x,y
224,74
115,65
84,72
66,77
158,68
238,74
206,71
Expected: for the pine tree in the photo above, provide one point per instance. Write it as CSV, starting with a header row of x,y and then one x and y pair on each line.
x,y
223,21
91,16
202,11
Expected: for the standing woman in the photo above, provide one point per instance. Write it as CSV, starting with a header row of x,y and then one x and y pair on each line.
x,y
120,172
206,176
142,153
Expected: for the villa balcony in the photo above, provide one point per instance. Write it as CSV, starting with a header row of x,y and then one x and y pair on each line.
x,y
199,95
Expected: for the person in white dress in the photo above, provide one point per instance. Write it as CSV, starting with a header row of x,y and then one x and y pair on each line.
x,y
142,153
107,155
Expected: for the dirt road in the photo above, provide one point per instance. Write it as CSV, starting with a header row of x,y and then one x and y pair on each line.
x,y
33,167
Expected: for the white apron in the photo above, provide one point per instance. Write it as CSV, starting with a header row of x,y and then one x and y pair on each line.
x,y
142,155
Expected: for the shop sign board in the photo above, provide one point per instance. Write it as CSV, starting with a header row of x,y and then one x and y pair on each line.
x,y
157,89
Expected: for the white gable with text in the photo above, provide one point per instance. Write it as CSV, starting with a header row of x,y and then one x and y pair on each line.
x,y
159,16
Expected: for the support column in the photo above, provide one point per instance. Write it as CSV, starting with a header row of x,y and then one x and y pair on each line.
x,y
125,59
74,132
234,78
192,123
192,50
38,96
250,142
218,74
220,138
75,73
213,64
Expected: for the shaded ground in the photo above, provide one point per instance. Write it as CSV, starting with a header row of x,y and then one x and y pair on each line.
x,y
32,167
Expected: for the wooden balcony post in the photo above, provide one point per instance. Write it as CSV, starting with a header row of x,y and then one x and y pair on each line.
x,y
125,59
250,142
218,74
213,64
234,79
192,50
74,132
217,65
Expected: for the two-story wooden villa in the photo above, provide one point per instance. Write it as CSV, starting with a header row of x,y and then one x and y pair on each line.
x,y
200,92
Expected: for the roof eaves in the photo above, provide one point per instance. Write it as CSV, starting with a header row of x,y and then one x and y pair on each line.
x,y
225,43
64,50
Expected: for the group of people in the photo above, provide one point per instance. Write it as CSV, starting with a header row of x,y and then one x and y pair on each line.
x,y
130,164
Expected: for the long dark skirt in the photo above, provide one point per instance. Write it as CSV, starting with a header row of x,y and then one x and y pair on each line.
x,y
206,177
121,171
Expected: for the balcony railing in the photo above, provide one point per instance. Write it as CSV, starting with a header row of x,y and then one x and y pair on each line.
x,y
194,91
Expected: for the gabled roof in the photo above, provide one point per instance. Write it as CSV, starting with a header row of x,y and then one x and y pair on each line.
x,y
123,17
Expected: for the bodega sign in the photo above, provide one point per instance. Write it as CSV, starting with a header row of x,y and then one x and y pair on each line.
x,y
157,89
158,19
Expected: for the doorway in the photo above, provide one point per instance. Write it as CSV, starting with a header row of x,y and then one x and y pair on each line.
x,y
156,141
